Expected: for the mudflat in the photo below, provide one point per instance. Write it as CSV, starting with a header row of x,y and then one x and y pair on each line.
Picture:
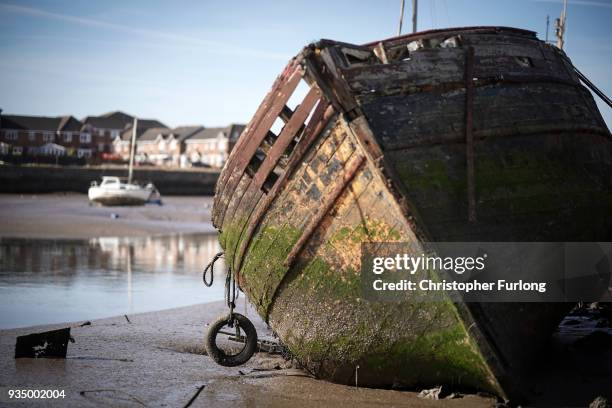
x,y
157,359
71,216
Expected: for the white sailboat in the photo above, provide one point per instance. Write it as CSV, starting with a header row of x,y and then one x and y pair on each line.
x,y
119,190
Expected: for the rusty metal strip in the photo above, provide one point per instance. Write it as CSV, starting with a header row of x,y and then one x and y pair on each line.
x,y
323,113
247,151
286,136
469,132
328,202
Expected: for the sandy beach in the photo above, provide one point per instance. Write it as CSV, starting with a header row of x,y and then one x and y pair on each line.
x,y
71,216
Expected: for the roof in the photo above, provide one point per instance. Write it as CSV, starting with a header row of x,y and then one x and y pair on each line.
x,y
151,134
143,125
184,132
235,130
70,124
208,133
41,123
232,132
110,120
50,146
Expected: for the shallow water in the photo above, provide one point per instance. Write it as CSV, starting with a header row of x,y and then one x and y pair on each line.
x,y
51,281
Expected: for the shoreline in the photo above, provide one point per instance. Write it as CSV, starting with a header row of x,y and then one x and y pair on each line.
x,y
69,216
158,358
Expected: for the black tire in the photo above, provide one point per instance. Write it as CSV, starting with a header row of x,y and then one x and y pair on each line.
x,y
219,355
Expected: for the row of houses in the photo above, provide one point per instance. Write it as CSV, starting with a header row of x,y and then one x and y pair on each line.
x,y
108,137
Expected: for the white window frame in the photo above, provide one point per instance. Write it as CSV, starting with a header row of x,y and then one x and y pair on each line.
x,y
31,136
11,134
84,153
85,138
48,137
67,137
114,134
17,150
100,132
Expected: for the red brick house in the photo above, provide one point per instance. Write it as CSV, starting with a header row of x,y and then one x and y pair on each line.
x,y
121,144
104,129
28,134
211,146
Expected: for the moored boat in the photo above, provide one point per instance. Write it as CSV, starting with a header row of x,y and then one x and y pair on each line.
x,y
118,191
468,134
123,191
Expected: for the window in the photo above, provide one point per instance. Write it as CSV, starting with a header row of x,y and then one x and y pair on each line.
x,y
114,134
68,137
47,137
85,138
10,134
17,150
100,132
84,153
100,147
31,136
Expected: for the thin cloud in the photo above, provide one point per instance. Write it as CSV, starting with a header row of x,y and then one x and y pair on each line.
x,y
579,3
213,46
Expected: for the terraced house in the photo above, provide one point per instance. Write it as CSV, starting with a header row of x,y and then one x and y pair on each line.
x,y
106,128
44,135
122,143
212,146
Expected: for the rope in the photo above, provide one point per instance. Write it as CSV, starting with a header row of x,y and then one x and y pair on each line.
x,y
593,88
211,267
231,290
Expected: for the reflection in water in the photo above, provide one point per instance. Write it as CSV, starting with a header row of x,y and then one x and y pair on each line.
x,y
50,281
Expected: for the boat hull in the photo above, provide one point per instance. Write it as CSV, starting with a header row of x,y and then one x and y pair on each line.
x,y
385,161
117,197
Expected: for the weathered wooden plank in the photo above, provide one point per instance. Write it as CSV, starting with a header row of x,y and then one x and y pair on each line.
x,y
238,166
428,69
319,120
326,204
286,136
254,122
290,211
451,32
249,199
428,118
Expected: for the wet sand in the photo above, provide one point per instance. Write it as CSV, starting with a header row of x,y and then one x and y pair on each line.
x,y
156,360
71,216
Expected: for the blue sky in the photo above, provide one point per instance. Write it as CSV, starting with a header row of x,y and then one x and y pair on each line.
x,y
211,62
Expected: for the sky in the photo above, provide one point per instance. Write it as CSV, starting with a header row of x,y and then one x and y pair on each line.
x,y
212,62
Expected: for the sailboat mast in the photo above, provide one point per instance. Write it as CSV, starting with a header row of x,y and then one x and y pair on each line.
x,y
132,148
401,20
414,15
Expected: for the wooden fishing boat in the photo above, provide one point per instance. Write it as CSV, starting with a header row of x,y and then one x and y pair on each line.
x,y
467,134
